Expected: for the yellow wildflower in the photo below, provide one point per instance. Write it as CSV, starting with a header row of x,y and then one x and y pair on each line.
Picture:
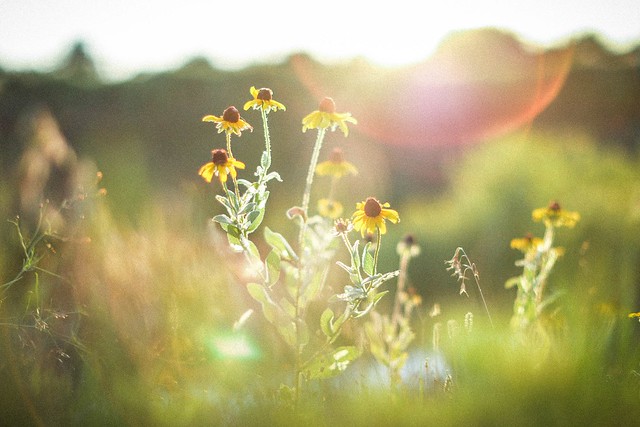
x,y
230,122
220,165
330,208
326,117
555,216
336,166
370,216
526,243
263,99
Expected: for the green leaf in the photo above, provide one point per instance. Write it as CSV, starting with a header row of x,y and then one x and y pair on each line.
x,y
222,219
247,184
280,244
273,267
273,175
315,285
225,202
355,257
233,199
233,235
326,322
254,219
249,207
512,282
377,297
367,261
265,160
252,250
275,314
330,364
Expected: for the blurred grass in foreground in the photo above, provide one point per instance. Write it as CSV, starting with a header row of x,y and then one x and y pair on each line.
x,y
149,309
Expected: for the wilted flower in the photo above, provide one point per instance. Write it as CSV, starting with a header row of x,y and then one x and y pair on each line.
x,y
342,226
371,215
220,165
326,117
230,122
263,99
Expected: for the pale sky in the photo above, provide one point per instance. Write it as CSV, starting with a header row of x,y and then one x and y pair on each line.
x,y
129,36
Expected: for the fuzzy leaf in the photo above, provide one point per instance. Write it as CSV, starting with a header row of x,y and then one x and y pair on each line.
x,y
249,207
367,260
330,364
274,313
326,322
273,267
265,160
223,219
314,287
279,243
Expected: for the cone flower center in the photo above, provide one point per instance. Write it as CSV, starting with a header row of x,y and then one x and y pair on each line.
x,y
231,115
327,105
219,157
372,208
265,94
336,156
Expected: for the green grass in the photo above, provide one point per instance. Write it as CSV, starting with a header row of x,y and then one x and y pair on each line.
x,y
146,305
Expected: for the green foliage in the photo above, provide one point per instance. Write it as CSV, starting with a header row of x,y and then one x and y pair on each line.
x,y
146,305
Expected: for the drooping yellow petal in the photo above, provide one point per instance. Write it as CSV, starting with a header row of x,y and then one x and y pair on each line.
x,y
211,118
206,171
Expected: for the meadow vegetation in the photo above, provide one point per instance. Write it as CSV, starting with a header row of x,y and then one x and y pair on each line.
x,y
259,296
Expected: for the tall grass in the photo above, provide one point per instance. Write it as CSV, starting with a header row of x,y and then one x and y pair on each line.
x,y
139,320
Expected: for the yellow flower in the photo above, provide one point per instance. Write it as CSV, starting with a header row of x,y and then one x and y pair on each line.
x,y
555,216
370,216
526,243
263,99
330,208
220,165
634,315
336,166
326,117
230,122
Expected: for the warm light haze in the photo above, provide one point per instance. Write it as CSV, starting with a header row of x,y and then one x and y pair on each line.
x,y
125,37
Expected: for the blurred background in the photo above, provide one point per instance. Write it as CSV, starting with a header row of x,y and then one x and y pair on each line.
x,y
465,125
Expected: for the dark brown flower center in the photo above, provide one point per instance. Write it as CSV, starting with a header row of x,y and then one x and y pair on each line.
x,y
372,208
409,240
231,115
554,206
219,157
328,106
265,94
336,156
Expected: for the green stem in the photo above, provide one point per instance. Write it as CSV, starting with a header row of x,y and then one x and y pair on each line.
x,y
402,279
267,142
307,190
228,134
377,252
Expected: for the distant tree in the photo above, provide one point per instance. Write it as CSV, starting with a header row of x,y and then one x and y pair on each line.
x,y
78,66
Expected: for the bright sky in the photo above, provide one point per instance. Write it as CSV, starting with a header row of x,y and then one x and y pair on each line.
x,y
128,36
